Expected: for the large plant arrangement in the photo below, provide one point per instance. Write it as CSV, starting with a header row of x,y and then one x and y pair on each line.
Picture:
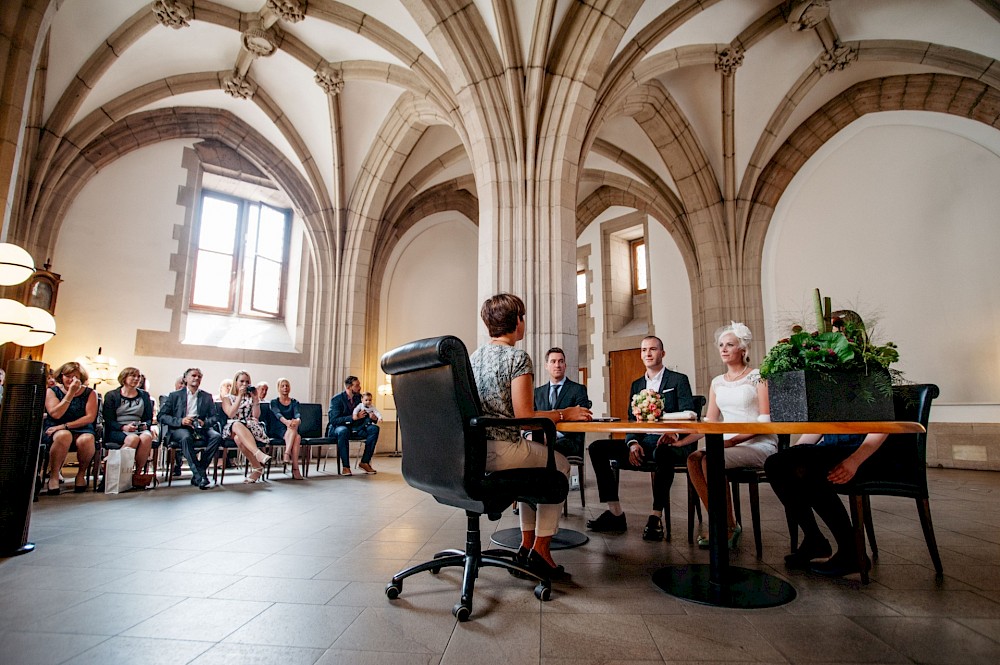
x,y
834,373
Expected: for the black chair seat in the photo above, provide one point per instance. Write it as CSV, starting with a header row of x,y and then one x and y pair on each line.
x,y
530,485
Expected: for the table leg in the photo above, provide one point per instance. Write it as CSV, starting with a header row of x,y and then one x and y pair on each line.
x,y
718,583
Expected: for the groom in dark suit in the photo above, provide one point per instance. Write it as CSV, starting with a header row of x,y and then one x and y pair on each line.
x,y
666,451
190,414
560,393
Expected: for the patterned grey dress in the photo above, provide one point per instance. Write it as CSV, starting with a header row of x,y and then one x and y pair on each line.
x,y
495,367
244,414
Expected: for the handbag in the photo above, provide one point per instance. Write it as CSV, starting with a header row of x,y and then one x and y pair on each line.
x,y
118,470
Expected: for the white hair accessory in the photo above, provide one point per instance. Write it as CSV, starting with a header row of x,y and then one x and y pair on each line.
x,y
741,331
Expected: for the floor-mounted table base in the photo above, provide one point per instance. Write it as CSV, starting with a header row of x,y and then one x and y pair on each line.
x,y
743,588
563,540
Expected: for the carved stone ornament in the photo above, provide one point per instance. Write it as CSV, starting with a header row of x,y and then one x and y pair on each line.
x,y
291,11
259,41
330,79
807,14
837,59
237,86
728,60
171,14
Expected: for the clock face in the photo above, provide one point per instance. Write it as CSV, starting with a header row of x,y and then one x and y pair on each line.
x,y
41,295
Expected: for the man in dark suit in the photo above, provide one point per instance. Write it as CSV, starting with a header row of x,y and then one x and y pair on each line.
x,y
666,451
190,414
343,422
560,393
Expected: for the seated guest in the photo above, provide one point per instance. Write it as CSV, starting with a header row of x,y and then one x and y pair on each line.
x,y
804,476
560,393
665,450
343,423
739,395
285,419
262,389
367,408
70,414
505,381
225,387
190,414
128,415
244,427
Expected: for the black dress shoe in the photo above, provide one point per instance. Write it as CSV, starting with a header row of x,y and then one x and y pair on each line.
x,y
521,559
51,491
541,567
608,522
654,529
803,557
840,565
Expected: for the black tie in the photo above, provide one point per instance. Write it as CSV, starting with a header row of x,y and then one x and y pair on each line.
x,y
553,395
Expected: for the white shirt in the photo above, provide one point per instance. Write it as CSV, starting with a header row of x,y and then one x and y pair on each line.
x,y
370,410
192,410
654,382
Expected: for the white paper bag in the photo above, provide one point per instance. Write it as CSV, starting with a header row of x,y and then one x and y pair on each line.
x,y
118,470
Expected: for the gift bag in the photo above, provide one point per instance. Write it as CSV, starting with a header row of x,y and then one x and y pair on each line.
x,y
118,470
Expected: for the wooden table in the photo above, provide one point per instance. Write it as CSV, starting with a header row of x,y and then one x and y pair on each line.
x,y
718,583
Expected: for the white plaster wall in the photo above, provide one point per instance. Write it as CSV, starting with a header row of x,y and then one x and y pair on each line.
x,y
430,286
915,242
113,253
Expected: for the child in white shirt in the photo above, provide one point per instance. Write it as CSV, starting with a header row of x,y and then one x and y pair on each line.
x,y
366,405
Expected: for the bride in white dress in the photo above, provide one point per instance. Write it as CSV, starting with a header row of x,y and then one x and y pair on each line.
x,y
739,395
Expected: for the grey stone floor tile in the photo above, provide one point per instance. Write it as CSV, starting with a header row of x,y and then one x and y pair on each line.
x,y
724,638
342,657
217,560
355,569
109,613
399,628
199,619
28,609
496,637
611,600
169,583
61,578
283,624
606,636
279,590
934,640
291,566
987,627
140,650
256,654
28,648
824,640
940,603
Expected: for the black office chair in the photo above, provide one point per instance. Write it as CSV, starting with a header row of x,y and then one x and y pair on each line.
x,y
439,413
694,503
907,478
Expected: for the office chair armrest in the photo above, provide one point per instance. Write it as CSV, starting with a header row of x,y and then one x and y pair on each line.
x,y
547,426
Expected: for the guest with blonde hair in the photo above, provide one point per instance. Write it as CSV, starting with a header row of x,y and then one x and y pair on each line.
x,y
242,408
286,419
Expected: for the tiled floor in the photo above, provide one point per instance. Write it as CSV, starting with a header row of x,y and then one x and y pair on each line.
x,y
294,572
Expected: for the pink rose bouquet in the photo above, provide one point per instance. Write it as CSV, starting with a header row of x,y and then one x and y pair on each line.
x,y
647,405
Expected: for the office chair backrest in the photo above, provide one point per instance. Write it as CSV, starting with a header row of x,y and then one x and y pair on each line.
x,y
436,399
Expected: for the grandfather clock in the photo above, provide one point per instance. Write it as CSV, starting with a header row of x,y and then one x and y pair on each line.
x,y
39,290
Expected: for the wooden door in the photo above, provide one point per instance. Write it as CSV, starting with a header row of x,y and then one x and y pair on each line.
x,y
626,366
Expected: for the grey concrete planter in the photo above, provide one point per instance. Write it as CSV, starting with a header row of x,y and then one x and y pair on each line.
x,y
823,397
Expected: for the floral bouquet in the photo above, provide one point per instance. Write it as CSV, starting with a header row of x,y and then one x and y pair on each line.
x,y
647,405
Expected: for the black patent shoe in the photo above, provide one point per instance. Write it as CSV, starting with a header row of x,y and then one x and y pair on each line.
x,y
653,530
541,567
807,552
608,522
521,559
840,565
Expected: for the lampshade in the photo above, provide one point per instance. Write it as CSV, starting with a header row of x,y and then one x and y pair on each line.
x,y
16,265
14,321
43,328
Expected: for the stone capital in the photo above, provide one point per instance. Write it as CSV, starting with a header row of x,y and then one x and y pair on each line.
x,y
330,79
235,85
837,59
291,11
728,60
171,14
807,14
259,41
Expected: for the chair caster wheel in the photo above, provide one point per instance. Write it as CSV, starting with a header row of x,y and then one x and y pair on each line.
x,y
543,593
393,589
462,612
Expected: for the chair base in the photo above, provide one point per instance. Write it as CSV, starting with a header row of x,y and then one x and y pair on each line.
x,y
471,560
563,539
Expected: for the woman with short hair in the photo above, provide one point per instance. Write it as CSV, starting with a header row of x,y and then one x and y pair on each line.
x,y
70,414
128,416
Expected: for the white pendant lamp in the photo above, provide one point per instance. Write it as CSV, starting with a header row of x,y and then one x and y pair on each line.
x,y
16,265
43,328
14,321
